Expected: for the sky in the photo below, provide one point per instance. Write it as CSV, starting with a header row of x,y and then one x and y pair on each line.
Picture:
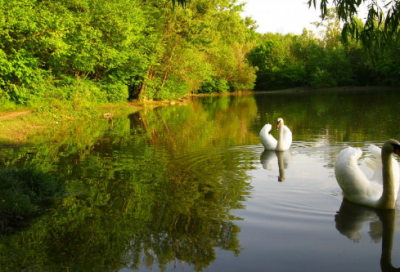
x,y
283,16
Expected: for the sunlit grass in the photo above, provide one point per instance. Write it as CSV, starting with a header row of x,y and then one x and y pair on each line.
x,y
18,129
7,106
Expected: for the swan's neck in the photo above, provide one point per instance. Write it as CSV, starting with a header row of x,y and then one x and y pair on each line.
x,y
281,166
388,198
279,146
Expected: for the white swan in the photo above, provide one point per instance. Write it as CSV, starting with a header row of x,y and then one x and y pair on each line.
x,y
284,137
379,192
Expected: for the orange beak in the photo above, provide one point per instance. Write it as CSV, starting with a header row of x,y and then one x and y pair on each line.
x,y
278,125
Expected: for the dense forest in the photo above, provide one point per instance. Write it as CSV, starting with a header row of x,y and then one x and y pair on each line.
x,y
73,54
108,51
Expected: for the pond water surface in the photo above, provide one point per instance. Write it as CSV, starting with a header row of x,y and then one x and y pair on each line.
x,y
190,188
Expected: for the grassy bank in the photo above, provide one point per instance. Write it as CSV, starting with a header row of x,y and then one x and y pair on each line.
x,y
20,123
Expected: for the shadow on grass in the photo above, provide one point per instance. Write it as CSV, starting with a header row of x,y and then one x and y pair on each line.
x,y
22,192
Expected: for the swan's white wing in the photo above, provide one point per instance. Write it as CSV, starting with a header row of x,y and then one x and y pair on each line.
x,y
267,140
355,185
375,163
287,138
376,152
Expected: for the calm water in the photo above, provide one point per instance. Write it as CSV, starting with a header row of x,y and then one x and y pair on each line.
x,y
190,188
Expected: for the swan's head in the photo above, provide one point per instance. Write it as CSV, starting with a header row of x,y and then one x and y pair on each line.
x,y
392,146
279,123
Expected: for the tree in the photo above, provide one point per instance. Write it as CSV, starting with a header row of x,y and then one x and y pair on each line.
x,y
278,68
384,17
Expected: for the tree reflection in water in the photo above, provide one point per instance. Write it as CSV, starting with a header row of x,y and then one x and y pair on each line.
x,y
155,189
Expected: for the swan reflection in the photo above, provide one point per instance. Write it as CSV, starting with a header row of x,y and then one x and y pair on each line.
x,y
284,160
383,224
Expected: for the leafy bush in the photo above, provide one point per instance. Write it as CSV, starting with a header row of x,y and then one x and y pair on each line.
x,y
117,92
322,79
389,70
172,89
214,86
69,51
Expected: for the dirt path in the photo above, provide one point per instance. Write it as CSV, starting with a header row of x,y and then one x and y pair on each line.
x,y
14,114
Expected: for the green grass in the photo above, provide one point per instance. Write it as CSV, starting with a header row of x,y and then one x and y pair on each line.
x,y
20,129
10,106
22,190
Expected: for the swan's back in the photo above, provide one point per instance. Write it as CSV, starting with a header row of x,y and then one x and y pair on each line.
x,y
267,140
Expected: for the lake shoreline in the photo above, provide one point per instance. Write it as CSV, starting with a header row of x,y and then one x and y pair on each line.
x,y
333,89
16,127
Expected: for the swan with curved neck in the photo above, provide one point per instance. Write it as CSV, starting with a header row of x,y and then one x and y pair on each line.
x,y
284,137
379,192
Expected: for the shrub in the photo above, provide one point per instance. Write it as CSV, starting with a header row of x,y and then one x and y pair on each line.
x,y
322,79
173,88
214,86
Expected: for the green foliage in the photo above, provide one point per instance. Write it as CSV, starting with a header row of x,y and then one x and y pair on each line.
x,y
388,67
79,54
376,62
45,47
381,24
277,68
304,60
22,189
172,89
204,41
214,86
322,79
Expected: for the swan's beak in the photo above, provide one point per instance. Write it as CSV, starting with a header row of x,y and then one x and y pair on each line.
x,y
278,125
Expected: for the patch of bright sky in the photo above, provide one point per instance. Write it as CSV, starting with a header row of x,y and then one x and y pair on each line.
x,y
282,16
